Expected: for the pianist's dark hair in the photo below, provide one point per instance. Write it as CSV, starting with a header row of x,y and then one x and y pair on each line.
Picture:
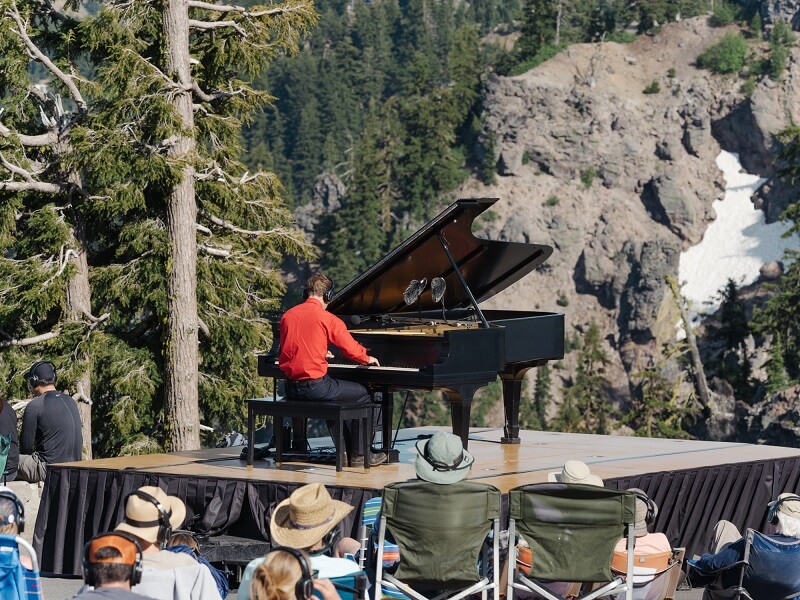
x,y
318,285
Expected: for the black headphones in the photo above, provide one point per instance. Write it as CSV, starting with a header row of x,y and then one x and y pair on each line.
x,y
19,510
136,567
327,294
772,514
328,542
33,377
164,526
651,507
304,588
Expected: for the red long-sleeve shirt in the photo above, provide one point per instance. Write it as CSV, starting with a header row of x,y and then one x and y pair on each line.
x,y
306,330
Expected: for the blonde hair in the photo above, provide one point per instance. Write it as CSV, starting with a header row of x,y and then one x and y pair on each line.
x,y
10,528
276,577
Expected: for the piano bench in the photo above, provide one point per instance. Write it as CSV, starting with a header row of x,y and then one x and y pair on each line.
x,y
330,411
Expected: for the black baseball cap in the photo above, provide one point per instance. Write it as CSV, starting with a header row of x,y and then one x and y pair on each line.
x,y
42,372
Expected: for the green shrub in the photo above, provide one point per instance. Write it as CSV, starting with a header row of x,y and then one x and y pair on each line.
x,y
621,37
546,53
779,43
588,176
782,34
526,157
653,88
726,56
724,14
671,73
778,57
552,201
749,86
756,25
490,216
562,300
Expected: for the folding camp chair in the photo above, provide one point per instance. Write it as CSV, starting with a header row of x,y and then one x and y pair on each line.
x,y
652,573
368,536
440,531
769,570
572,530
17,582
350,587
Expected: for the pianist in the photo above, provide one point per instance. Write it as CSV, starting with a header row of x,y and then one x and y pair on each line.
x,y
306,330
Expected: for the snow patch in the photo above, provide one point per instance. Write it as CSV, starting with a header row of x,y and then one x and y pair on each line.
x,y
735,245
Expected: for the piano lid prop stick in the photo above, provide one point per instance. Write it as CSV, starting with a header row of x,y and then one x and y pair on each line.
x,y
460,276
438,288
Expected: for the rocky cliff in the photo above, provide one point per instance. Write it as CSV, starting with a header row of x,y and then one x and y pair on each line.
x,y
620,181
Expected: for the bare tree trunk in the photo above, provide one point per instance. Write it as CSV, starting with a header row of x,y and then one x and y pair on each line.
x,y
558,23
79,306
699,373
181,352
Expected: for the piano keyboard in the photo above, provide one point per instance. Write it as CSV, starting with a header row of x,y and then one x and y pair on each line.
x,y
373,368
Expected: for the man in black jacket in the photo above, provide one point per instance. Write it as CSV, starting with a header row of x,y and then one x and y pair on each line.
x,y
51,426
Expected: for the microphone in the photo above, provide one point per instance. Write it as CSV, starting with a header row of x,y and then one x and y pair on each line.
x,y
359,319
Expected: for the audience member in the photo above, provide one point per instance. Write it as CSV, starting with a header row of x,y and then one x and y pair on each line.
x,y
184,542
285,574
51,426
307,520
440,460
150,517
575,471
8,430
12,519
653,552
645,542
112,564
728,543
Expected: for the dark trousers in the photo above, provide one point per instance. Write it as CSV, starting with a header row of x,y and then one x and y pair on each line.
x,y
329,389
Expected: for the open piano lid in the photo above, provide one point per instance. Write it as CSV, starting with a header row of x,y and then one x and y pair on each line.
x,y
487,266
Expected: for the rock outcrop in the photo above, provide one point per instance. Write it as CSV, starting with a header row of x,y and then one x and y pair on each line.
x,y
620,181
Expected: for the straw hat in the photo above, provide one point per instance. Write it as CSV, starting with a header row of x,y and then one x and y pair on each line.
x,y
575,471
142,517
442,459
306,516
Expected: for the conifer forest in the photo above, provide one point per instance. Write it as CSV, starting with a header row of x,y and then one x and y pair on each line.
x,y
152,160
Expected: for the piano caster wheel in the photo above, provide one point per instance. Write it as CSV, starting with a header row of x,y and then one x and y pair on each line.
x,y
507,440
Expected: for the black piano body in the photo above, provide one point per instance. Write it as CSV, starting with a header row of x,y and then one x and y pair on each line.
x,y
450,345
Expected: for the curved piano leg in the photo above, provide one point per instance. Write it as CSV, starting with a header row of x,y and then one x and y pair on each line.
x,y
460,406
512,391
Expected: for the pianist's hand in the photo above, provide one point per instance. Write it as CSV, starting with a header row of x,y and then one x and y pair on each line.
x,y
329,354
371,360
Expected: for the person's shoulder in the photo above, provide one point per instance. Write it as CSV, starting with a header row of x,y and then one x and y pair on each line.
x,y
110,594
329,567
164,559
253,564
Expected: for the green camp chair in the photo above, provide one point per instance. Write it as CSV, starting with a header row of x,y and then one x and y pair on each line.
x,y
572,530
440,531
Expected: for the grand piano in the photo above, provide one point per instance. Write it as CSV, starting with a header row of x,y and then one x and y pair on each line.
x,y
418,311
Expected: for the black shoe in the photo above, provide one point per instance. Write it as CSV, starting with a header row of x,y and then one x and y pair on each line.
x,y
375,459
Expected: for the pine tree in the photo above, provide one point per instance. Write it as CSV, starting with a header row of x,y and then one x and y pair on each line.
x,y
780,316
533,414
538,29
586,407
147,168
657,408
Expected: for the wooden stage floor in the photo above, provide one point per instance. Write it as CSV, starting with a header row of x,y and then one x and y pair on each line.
x,y
694,483
503,465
